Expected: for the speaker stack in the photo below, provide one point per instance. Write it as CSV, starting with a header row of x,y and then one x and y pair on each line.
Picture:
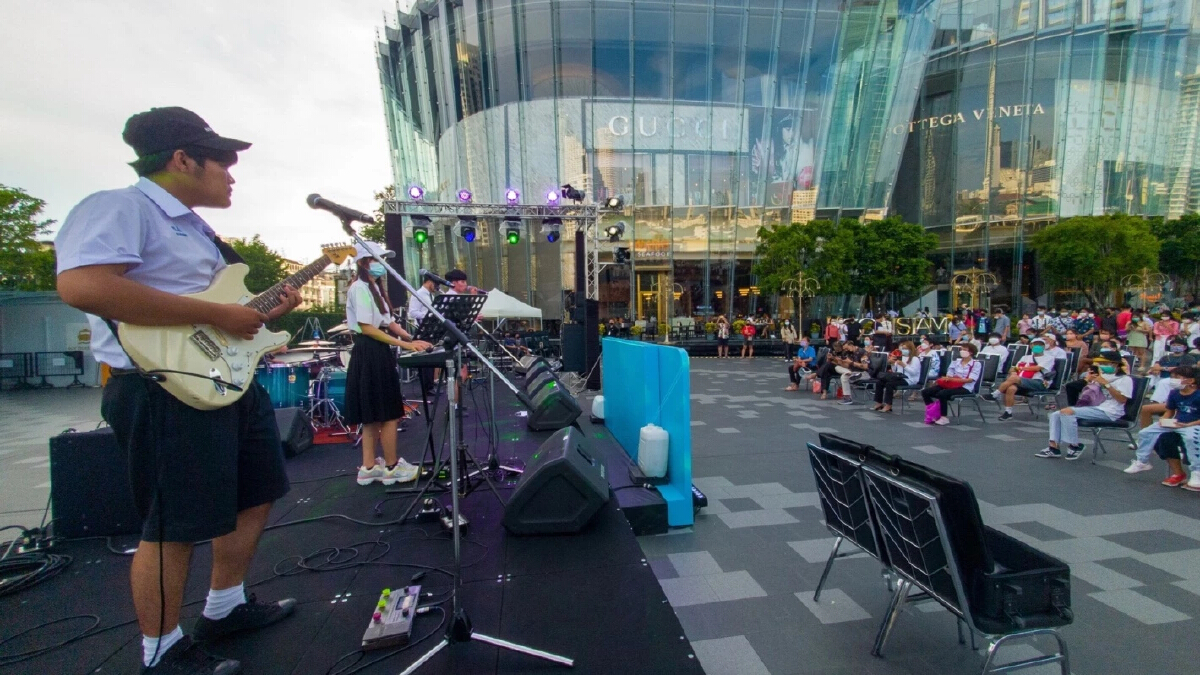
x,y
562,489
295,430
551,405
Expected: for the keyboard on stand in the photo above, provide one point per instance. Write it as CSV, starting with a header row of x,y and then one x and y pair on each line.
x,y
430,359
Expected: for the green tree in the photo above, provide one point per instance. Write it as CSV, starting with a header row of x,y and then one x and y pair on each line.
x,y
821,248
1092,253
1180,252
375,232
890,256
266,266
25,263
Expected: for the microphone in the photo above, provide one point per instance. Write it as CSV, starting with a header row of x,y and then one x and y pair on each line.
x,y
426,274
316,201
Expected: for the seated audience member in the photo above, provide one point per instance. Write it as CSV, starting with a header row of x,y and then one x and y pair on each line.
x,y
1182,417
852,362
1075,387
1027,375
828,370
960,377
1161,378
802,364
904,369
1053,349
1109,387
1073,340
995,346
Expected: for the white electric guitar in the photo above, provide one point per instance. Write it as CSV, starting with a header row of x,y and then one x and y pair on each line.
x,y
203,357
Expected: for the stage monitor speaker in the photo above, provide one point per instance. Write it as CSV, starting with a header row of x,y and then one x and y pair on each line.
x,y
573,348
537,375
89,486
295,430
552,407
563,487
524,363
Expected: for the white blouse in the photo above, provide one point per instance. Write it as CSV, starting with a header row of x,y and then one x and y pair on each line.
x,y
361,308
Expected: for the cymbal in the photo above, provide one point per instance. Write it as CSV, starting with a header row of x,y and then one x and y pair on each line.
x,y
316,343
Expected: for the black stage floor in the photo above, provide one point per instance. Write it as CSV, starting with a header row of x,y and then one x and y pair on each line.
x,y
590,596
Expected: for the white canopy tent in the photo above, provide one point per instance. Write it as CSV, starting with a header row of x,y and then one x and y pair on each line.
x,y
500,305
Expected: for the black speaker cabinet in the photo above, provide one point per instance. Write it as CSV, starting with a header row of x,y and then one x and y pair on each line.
x,y
573,354
563,487
89,486
294,430
536,369
553,408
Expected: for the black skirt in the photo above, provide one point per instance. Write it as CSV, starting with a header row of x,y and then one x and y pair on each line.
x,y
372,384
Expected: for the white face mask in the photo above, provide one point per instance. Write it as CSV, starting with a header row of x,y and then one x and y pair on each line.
x,y
993,341
904,353
1175,383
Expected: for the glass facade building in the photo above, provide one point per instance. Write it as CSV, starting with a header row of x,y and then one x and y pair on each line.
x,y
982,120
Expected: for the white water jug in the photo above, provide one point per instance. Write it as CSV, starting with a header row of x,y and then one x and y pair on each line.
x,y
652,451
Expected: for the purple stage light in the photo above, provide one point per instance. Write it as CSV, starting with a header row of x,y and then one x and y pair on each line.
x,y
552,197
415,192
512,196
464,196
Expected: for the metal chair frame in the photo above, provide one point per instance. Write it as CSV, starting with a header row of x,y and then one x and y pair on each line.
x,y
839,496
1052,391
926,362
914,568
990,362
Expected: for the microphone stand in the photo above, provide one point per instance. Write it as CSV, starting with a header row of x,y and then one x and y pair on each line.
x,y
459,628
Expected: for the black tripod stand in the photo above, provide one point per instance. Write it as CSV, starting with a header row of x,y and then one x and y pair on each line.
x,y
459,630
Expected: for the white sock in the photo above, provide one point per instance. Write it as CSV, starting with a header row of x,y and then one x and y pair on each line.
x,y
221,603
154,648
1008,409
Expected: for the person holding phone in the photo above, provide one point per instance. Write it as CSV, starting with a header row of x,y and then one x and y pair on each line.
x,y
1111,386
1182,417
960,378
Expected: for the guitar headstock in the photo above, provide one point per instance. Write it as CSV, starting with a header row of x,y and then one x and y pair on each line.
x,y
337,253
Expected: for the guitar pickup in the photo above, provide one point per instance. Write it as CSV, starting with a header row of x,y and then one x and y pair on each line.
x,y
206,345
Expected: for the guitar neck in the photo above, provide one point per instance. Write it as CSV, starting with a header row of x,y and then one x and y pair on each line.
x,y
269,299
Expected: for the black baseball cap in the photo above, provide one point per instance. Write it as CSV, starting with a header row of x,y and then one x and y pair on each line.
x,y
164,129
456,275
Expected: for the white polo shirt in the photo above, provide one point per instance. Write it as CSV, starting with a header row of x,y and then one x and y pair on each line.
x,y
166,245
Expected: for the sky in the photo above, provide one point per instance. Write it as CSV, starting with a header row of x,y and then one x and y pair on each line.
x,y
297,79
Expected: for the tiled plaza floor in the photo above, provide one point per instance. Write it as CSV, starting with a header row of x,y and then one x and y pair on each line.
x,y
741,579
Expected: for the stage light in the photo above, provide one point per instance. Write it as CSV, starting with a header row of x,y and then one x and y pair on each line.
x,y
614,203
621,255
615,230
416,193
573,194
552,198
512,196
464,196
512,230
552,228
466,228
420,229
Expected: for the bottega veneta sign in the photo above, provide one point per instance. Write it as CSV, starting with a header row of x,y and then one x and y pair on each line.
x,y
978,114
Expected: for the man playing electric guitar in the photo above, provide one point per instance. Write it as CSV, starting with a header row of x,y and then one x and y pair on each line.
x,y
128,255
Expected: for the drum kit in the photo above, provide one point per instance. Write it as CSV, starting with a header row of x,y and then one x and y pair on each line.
x,y
312,376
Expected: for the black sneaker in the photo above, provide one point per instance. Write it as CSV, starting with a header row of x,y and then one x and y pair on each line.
x,y
1048,453
1005,416
186,658
246,616
1074,452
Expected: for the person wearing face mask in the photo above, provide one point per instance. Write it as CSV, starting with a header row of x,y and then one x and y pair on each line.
x,y
788,335
802,364
1085,324
904,369
1160,378
1181,417
1138,338
1061,322
1028,375
995,345
373,396
1112,388
960,377
1166,329
1001,324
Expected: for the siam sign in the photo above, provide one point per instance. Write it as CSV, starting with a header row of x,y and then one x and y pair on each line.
x,y
948,119
915,325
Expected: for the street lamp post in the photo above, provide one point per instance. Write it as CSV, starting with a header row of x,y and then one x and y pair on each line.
x,y
802,286
976,282
1144,282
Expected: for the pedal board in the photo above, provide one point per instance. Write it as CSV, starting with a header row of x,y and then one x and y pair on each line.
x,y
449,524
391,624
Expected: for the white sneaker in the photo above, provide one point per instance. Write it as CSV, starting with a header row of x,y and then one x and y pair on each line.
x,y
1137,467
403,472
942,421
1193,483
367,476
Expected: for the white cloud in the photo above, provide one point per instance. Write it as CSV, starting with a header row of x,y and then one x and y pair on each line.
x,y
298,79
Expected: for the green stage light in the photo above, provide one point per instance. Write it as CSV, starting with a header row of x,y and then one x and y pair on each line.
x,y
512,230
420,229
420,236
513,236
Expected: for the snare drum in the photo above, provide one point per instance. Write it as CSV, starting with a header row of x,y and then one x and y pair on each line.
x,y
286,385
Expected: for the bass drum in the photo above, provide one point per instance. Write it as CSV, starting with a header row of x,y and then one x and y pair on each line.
x,y
286,385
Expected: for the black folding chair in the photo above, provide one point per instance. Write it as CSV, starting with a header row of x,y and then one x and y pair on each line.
x,y
1001,588
876,365
1052,390
926,362
990,363
1127,422
1016,353
835,465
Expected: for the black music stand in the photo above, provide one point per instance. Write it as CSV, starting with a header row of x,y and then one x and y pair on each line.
x,y
461,310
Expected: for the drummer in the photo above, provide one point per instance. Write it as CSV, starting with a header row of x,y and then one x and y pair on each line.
x,y
373,397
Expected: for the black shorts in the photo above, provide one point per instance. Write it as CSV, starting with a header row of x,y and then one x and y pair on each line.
x,y
722,342
192,471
